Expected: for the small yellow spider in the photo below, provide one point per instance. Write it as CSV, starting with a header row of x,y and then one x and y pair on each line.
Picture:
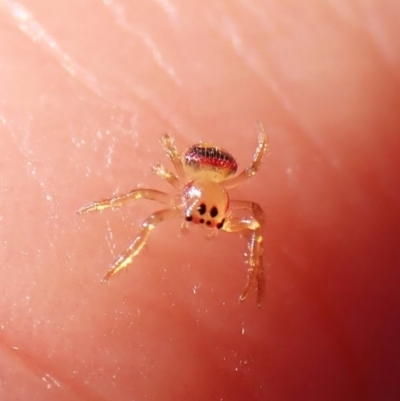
x,y
202,176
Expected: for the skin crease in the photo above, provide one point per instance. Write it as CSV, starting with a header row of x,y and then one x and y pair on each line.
x,y
87,91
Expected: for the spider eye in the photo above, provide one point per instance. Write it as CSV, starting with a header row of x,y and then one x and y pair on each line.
x,y
202,208
213,212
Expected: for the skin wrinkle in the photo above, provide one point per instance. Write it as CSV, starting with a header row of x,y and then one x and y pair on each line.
x,y
233,39
320,141
368,23
257,14
219,330
346,12
169,9
34,31
248,56
172,122
118,11
363,29
271,84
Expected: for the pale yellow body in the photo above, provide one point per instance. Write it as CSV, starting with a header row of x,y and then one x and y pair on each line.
x,y
202,176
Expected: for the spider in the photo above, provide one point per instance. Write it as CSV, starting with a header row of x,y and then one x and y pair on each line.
x,y
203,174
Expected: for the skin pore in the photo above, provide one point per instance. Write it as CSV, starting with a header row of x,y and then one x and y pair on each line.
x,y
88,88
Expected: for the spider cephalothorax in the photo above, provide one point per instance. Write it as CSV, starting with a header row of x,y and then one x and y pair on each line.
x,y
202,176
205,202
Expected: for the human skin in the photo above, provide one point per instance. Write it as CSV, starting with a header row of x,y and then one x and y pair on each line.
x,y
86,92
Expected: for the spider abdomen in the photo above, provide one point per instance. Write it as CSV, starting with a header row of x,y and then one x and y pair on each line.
x,y
209,162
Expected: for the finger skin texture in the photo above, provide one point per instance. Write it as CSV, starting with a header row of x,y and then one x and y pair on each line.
x,y
88,88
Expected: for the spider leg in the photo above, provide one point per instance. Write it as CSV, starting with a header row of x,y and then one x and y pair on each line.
x,y
255,271
185,228
255,208
118,201
171,150
140,241
160,171
259,154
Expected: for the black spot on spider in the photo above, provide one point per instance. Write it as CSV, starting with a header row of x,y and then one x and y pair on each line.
x,y
188,218
221,223
202,208
213,212
208,222
201,221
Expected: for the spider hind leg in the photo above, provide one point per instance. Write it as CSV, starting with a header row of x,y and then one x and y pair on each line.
x,y
140,241
252,228
122,200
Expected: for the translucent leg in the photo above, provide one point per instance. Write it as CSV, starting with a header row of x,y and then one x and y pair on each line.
x,y
255,208
172,152
140,241
185,228
160,171
255,165
118,201
255,271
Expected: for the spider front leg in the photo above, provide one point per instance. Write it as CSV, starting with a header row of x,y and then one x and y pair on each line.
x,y
171,150
140,241
254,207
255,270
259,154
118,201
160,171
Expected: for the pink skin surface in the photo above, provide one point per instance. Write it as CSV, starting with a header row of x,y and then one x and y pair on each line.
x,y
87,89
